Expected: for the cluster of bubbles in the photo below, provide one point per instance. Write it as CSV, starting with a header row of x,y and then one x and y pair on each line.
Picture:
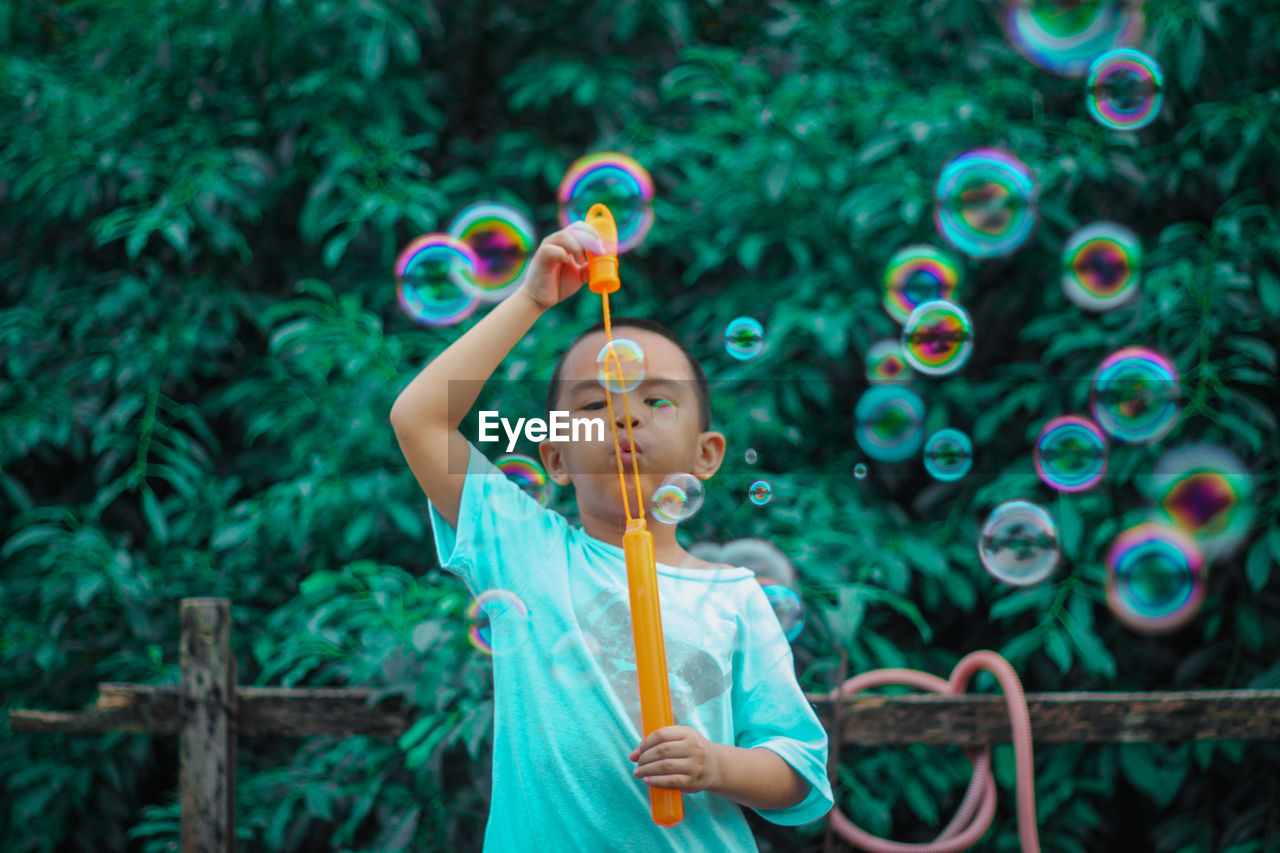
x,y
1101,266
617,181
744,338
481,257
677,499
498,622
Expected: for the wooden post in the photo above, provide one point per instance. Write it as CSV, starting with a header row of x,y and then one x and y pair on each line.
x,y
207,737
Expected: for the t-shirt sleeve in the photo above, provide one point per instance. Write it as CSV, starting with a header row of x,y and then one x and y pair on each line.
x,y
770,710
503,533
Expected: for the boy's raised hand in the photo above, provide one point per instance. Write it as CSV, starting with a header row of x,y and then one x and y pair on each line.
x,y
559,266
678,758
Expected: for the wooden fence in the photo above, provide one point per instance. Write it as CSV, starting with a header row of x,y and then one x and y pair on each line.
x,y
208,710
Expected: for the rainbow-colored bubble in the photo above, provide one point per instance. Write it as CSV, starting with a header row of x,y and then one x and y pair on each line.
x,y
889,423
985,203
948,455
497,622
527,473
1135,395
1206,492
621,366
886,363
1155,578
616,181
1065,36
1018,544
860,471
1101,266
428,272
1070,454
760,492
502,239
744,338
917,274
677,499
937,338
1124,89
787,606
665,412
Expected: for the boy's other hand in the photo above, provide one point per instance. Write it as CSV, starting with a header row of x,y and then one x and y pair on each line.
x,y
559,266
678,758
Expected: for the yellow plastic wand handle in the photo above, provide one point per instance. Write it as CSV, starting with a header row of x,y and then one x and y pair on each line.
x,y
651,654
602,270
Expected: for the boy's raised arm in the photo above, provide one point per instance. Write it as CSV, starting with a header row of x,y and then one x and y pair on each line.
x,y
427,413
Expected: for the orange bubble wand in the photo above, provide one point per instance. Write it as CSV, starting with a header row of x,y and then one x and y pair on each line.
x,y
637,541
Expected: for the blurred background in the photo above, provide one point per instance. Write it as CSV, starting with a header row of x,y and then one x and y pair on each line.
x,y
203,329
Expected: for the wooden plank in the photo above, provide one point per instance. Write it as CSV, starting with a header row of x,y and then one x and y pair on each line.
x,y
867,720
207,738
1061,717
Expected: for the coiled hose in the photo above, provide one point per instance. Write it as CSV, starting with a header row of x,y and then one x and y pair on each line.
x,y
979,804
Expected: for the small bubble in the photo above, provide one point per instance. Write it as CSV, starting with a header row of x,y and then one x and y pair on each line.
x,y
760,492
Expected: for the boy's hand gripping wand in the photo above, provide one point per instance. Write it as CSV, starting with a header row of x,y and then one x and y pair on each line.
x,y
637,541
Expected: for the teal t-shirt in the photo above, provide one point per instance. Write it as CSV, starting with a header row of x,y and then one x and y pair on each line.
x,y
566,701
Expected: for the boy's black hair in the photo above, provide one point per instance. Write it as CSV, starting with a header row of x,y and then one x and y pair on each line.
x,y
701,386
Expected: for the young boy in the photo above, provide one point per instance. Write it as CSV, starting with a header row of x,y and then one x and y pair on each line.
x,y
571,770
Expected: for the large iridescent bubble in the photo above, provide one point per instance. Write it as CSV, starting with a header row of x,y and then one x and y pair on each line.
x,y
1205,491
1018,544
678,498
428,272
948,455
937,338
498,622
1066,36
1124,89
621,366
1070,454
1101,266
502,239
985,203
889,423
917,274
1155,578
1135,395
615,180
527,473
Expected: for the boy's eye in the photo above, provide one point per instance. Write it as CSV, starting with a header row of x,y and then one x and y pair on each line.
x,y
591,407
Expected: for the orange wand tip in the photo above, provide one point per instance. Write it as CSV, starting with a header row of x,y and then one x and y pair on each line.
x,y
602,270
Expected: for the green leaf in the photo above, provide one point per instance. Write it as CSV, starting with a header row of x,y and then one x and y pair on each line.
x,y
1094,654
1155,769
1257,567
1058,649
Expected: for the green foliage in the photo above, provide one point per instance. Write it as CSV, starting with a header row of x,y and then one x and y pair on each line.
x,y
200,205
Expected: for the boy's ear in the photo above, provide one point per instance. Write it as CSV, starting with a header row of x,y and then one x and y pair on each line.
x,y
711,447
552,454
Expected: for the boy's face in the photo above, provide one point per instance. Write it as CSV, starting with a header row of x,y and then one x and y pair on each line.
x,y
663,443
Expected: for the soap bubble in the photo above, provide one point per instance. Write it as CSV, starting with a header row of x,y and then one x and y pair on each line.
x,y
527,473
886,362
948,455
889,423
665,412
1070,454
502,239
787,606
937,338
497,622
985,202
1135,395
616,181
678,498
1019,543
1065,36
1155,578
750,455
1101,266
760,492
1205,491
428,272
744,338
917,274
621,365
573,658
860,471
1124,90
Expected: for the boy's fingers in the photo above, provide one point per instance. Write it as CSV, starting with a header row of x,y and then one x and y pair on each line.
x,y
588,237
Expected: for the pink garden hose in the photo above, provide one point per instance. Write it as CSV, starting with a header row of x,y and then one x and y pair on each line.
x,y
979,804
